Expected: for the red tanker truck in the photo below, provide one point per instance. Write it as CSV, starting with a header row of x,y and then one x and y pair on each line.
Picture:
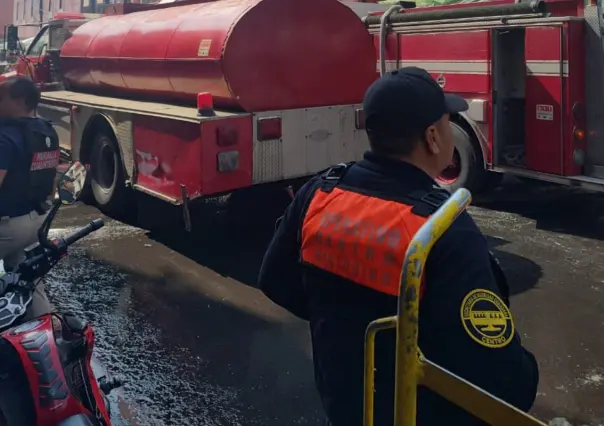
x,y
197,99
286,90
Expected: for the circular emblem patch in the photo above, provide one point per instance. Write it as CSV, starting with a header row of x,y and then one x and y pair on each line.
x,y
487,319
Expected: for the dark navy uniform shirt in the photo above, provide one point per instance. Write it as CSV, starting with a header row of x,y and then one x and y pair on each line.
x,y
13,156
339,312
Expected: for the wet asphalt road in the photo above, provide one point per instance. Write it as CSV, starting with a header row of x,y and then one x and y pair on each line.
x,y
178,316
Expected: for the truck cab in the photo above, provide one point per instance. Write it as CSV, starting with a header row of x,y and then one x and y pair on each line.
x,y
38,59
31,62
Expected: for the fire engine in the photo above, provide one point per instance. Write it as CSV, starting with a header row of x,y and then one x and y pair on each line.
x,y
536,101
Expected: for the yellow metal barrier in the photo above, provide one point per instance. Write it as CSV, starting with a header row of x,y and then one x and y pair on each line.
x,y
412,368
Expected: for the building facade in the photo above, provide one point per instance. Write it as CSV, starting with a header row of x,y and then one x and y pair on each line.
x,y
29,13
96,6
6,15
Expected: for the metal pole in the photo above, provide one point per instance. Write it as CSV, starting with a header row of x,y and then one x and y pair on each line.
x,y
407,353
384,35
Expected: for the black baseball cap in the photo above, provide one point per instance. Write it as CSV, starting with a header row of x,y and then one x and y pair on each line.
x,y
405,102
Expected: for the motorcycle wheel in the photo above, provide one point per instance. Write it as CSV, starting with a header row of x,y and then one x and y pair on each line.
x,y
16,407
16,402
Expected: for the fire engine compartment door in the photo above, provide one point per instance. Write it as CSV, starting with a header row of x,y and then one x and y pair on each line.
x,y
508,96
594,94
528,72
546,70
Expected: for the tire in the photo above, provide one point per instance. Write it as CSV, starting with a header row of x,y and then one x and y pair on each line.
x,y
16,405
494,179
16,402
467,168
108,182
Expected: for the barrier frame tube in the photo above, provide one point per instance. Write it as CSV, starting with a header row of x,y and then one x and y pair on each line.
x,y
408,368
369,386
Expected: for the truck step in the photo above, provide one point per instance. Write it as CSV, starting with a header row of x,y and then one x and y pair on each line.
x,y
581,181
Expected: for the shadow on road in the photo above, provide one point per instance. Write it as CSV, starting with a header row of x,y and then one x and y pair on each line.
x,y
237,251
229,251
228,237
522,273
555,208
265,361
233,364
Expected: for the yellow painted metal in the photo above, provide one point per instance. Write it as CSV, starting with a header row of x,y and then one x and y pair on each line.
x,y
372,329
476,401
407,359
411,366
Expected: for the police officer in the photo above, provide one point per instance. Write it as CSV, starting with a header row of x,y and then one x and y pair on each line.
x,y
336,257
29,156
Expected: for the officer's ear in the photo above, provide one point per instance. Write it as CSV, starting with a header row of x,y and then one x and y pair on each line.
x,y
431,139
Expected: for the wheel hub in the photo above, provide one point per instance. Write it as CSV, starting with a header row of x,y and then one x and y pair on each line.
x,y
105,171
453,170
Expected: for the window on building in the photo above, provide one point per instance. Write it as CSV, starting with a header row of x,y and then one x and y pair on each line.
x,y
17,15
50,5
60,4
39,44
31,8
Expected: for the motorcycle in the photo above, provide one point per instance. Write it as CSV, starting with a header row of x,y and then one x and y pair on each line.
x,y
48,374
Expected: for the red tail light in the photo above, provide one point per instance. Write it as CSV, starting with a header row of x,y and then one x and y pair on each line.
x,y
268,128
226,136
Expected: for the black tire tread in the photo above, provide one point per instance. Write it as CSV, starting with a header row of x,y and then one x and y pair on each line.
x,y
118,201
473,175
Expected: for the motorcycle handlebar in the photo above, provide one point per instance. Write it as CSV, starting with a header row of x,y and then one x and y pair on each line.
x,y
37,266
95,225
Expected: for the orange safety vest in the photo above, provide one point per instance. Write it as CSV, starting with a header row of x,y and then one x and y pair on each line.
x,y
362,236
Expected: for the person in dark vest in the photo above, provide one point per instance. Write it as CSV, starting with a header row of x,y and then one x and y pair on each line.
x,y
29,156
337,254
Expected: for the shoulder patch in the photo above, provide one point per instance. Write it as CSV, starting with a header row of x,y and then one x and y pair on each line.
x,y
487,319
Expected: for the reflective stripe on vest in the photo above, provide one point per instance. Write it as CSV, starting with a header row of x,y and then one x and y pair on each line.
x,y
359,237
45,160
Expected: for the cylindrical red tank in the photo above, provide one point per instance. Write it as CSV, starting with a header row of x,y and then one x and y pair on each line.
x,y
254,55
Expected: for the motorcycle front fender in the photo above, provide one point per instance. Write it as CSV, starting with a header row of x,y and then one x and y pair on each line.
x,y
79,420
98,368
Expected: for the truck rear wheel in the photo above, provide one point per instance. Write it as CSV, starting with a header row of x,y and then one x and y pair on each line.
x,y
108,182
467,166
